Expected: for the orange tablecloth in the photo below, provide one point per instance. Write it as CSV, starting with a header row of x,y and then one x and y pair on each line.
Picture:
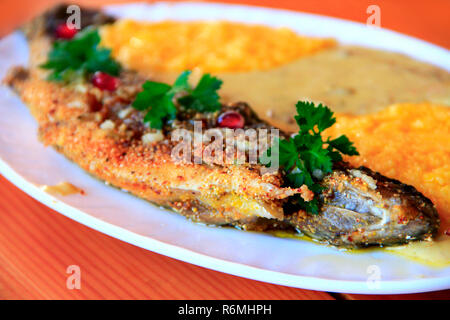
x,y
37,244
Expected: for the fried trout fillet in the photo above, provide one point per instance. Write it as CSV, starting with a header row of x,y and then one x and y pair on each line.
x,y
104,135
114,147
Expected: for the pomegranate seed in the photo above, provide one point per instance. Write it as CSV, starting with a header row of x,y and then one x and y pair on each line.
x,y
447,232
104,81
231,119
64,32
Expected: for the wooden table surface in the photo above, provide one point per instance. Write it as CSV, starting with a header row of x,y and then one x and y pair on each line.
x,y
37,244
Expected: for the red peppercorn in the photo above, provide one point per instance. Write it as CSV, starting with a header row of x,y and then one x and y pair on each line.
x,y
231,119
63,31
104,81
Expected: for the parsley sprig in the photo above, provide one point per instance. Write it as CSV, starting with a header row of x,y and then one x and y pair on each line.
x,y
306,157
159,99
79,57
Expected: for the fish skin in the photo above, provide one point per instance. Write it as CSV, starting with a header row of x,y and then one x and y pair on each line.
x,y
361,208
358,207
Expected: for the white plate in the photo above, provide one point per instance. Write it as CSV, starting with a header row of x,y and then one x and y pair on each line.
x,y
28,164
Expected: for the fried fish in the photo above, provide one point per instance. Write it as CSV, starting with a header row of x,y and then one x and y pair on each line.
x,y
103,134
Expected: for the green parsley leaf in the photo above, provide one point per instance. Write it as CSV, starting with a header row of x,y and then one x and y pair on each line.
x,y
344,145
287,153
75,59
307,158
312,118
204,97
158,99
